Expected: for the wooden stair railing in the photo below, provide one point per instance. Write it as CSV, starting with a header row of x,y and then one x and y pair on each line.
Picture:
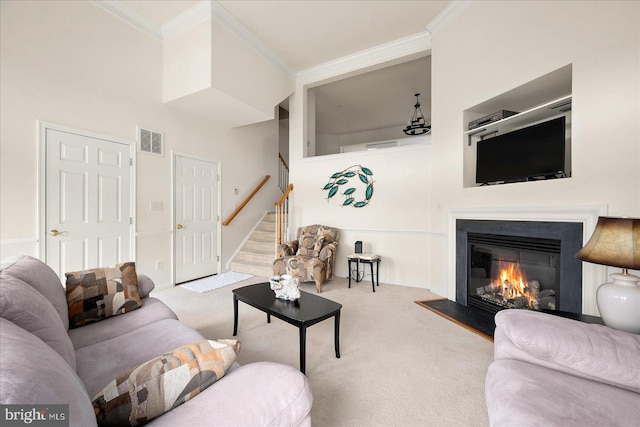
x,y
249,197
282,210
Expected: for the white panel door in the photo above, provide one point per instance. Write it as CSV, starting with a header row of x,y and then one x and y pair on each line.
x,y
196,218
87,202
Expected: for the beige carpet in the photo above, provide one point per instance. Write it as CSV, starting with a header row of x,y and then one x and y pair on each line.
x,y
400,365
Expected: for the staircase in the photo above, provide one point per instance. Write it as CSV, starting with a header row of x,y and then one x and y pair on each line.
x,y
257,255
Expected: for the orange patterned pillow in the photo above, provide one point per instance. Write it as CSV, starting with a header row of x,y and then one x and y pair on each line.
x,y
96,294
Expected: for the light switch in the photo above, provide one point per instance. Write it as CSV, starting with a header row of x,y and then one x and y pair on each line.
x,y
156,206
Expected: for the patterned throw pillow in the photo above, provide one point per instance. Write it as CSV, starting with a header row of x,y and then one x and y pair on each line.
x,y
163,383
96,294
310,245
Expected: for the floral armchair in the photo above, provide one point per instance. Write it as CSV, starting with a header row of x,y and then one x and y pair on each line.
x,y
311,257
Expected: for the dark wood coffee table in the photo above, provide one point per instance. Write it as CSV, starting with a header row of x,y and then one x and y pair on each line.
x,y
306,311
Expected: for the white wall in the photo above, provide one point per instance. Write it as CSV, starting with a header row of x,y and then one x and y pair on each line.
x,y
333,144
528,40
211,72
395,224
186,62
245,74
76,65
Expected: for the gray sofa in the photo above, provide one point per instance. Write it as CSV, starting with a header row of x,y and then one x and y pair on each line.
x,y
42,361
552,371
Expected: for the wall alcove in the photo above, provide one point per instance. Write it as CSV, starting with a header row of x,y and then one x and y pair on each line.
x,y
367,110
538,101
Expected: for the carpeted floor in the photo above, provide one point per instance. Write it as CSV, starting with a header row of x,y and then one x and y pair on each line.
x,y
210,283
401,365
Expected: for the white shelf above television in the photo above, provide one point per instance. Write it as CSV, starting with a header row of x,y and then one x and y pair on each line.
x,y
541,112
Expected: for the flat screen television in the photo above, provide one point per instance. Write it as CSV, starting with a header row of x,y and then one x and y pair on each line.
x,y
534,151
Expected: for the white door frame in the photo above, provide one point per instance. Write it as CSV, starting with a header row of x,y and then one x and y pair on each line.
x,y
218,164
42,184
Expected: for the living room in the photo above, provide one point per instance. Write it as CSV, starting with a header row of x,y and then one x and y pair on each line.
x,y
411,206
75,65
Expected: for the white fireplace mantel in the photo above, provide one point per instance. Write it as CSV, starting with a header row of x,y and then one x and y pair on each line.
x,y
592,274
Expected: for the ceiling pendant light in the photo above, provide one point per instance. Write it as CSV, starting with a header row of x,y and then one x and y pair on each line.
x,y
417,125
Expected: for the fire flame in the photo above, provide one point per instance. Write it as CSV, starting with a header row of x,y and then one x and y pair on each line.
x,y
512,280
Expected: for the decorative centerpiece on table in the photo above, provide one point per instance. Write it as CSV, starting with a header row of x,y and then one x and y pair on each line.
x,y
285,287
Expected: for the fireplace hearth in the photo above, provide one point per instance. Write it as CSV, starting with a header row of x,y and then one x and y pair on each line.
x,y
518,265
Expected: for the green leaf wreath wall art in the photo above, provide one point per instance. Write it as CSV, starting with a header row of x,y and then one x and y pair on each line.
x,y
355,182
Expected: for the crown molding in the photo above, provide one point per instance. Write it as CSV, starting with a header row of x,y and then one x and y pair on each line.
x,y
211,9
196,15
416,44
448,14
221,15
187,20
407,46
120,10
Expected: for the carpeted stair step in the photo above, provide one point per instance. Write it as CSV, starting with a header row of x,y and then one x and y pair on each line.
x,y
264,269
269,226
255,255
257,246
264,236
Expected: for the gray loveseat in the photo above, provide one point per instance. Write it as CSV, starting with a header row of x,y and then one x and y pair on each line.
x,y
42,361
552,371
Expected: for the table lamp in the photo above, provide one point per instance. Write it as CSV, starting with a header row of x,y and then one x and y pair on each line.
x,y
616,242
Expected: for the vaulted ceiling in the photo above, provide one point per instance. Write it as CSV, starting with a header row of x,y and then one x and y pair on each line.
x,y
306,34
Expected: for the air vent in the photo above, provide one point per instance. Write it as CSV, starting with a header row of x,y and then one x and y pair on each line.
x,y
151,142
376,145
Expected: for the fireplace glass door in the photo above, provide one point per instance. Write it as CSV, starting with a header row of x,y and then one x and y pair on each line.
x,y
512,272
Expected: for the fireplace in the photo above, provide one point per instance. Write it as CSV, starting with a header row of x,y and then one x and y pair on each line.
x,y
518,265
512,272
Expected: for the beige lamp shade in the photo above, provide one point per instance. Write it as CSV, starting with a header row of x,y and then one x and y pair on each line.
x,y
615,242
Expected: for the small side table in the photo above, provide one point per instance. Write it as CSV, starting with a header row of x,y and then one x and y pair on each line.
x,y
365,259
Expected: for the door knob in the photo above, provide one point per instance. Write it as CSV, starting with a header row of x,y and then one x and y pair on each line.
x,y
56,232
179,226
